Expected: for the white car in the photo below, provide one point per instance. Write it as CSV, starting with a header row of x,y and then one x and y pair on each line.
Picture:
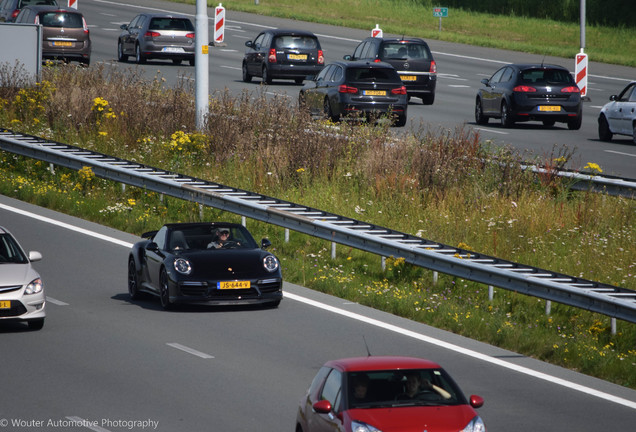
x,y
21,289
619,115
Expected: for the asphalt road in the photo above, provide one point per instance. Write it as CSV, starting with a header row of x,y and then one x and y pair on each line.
x,y
460,69
110,362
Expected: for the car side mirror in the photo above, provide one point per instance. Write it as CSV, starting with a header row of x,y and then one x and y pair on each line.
x,y
613,97
322,407
35,256
249,44
485,81
124,26
265,243
476,401
153,247
347,57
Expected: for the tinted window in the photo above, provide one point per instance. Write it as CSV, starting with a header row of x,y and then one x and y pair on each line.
x,y
9,251
625,95
507,75
332,389
358,52
497,76
372,75
289,41
323,73
546,76
61,19
23,3
413,51
170,24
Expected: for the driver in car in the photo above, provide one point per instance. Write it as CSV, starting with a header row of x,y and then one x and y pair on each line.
x,y
221,237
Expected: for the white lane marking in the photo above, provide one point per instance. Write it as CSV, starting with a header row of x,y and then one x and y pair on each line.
x,y
189,350
459,85
89,424
230,67
458,349
620,153
492,131
55,302
418,336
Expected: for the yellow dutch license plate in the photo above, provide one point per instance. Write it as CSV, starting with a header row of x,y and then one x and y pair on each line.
x,y
5,304
549,108
408,77
297,56
66,44
233,285
375,93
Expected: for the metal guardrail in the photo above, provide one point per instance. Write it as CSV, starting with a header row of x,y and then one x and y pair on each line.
x,y
606,299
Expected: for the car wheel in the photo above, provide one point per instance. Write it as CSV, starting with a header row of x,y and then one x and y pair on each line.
x,y
604,132
480,118
121,57
138,56
133,280
36,324
267,79
329,112
548,123
164,291
428,99
506,120
176,61
246,75
576,123
401,121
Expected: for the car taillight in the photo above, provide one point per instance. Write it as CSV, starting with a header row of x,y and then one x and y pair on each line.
x,y
400,90
321,57
84,25
524,89
190,35
433,67
15,13
377,60
152,34
571,89
272,56
343,88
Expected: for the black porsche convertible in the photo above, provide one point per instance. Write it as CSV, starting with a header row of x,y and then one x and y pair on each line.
x,y
204,263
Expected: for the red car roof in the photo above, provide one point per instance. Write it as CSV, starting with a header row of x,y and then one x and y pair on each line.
x,y
381,363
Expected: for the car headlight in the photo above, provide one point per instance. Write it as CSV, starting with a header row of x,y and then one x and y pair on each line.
x,y
475,425
270,263
34,287
357,426
183,266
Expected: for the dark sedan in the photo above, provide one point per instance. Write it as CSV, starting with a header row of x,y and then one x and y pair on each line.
x,y
204,263
527,92
157,36
356,89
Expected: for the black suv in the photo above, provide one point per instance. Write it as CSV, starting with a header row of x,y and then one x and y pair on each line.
x,y
284,54
411,58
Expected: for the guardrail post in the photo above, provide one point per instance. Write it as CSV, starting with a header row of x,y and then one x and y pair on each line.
x,y
200,211
52,169
548,307
613,325
491,292
286,235
243,221
435,277
333,250
383,263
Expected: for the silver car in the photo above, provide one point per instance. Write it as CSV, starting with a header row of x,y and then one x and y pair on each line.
x,y
157,36
21,288
619,115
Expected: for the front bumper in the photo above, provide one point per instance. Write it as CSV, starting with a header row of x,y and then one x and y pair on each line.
x,y
23,308
261,291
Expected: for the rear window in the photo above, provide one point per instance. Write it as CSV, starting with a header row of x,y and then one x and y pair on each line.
x,y
289,41
23,3
546,76
171,24
61,19
413,51
372,75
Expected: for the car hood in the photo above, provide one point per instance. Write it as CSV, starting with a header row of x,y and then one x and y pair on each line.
x,y
227,264
415,419
16,274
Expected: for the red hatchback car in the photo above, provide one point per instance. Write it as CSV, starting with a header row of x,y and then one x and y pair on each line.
x,y
386,394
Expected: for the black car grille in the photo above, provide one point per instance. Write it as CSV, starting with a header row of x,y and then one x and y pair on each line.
x,y
16,309
270,286
548,97
203,289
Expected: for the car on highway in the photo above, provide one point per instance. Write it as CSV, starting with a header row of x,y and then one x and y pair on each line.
x,y
356,89
282,54
21,288
9,9
530,92
211,263
618,116
65,34
157,36
411,58
386,393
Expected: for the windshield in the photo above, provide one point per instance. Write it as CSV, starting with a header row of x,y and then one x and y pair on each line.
x,y
211,237
394,388
10,252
